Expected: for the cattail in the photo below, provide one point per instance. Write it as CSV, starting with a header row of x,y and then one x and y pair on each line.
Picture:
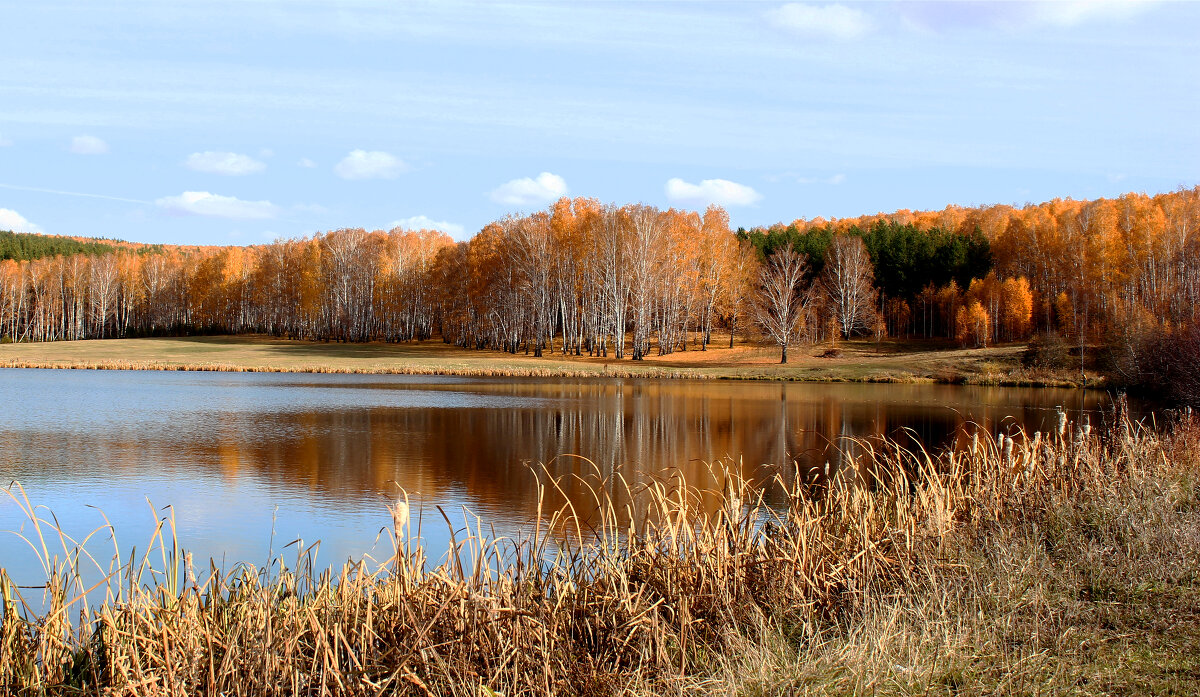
x,y
1008,449
400,515
1062,422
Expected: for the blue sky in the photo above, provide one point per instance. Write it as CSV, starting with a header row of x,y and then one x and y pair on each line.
x,y
240,122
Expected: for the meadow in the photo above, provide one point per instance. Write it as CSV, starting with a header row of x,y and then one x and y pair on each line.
x,y
1063,562
858,360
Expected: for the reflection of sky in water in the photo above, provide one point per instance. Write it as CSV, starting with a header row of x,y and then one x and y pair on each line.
x,y
108,400
320,456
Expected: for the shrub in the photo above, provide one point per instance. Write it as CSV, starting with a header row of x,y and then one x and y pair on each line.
x,y
1162,361
1046,350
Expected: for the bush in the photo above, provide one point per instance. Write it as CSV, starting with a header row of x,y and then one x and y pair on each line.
x,y
1163,362
1046,350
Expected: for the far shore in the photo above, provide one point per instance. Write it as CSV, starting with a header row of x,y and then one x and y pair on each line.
x,y
890,361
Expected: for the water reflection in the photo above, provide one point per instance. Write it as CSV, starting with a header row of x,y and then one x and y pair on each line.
x,y
317,457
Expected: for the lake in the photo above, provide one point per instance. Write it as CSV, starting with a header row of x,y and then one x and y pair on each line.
x,y
250,462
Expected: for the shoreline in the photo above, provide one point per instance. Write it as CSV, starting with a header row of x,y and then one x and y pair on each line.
x,y
1096,384
864,362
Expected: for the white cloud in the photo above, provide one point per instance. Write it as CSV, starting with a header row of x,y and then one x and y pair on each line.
x,y
376,164
306,163
719,191
15,222
421,222
88,145
529,192
228,163
215,206
821,21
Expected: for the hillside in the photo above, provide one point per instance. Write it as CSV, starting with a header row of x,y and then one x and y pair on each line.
x,y
27,246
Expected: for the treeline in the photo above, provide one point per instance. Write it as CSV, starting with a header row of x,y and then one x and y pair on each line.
x,y
347,285
1091,266
916,275
585,277
25,246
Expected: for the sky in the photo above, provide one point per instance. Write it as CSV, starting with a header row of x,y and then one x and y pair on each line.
x,y
241,122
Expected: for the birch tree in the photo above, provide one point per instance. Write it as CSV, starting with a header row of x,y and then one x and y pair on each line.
x,y
848,284
781,303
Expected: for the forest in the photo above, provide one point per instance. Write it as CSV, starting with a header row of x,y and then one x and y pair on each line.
x,y
582,277
25,246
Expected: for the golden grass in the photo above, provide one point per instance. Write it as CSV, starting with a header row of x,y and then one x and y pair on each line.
x,y
861,361
1001,569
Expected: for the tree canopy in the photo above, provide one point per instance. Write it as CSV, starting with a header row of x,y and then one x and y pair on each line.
x,y
25,246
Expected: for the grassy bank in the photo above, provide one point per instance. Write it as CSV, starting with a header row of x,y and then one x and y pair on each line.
x,y
857,361
1065,563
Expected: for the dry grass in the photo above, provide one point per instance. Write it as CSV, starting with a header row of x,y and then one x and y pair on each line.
x,y
1062,563
859,361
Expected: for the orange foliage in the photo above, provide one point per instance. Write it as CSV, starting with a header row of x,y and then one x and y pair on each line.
x,y
581,276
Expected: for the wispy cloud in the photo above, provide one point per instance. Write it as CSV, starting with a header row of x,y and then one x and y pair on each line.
x,y
1069,14
306,163
544,188
375,164
15,222
951,16
821,21
4,142
719,191
78,194
421,222
228,163
216,206
88,145
835,180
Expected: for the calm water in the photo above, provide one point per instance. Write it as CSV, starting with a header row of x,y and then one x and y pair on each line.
x,y
318,457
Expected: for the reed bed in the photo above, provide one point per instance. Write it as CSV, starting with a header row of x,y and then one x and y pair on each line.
x,y
991,568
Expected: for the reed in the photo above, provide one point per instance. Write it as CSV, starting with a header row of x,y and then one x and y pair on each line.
x,y
962,571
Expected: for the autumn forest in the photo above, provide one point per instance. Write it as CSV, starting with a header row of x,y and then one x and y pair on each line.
x,y
627,281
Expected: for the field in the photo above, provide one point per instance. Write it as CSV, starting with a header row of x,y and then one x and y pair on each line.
x,y
859,361
1063,563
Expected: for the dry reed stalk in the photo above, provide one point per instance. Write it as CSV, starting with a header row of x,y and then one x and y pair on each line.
x,y
658,591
